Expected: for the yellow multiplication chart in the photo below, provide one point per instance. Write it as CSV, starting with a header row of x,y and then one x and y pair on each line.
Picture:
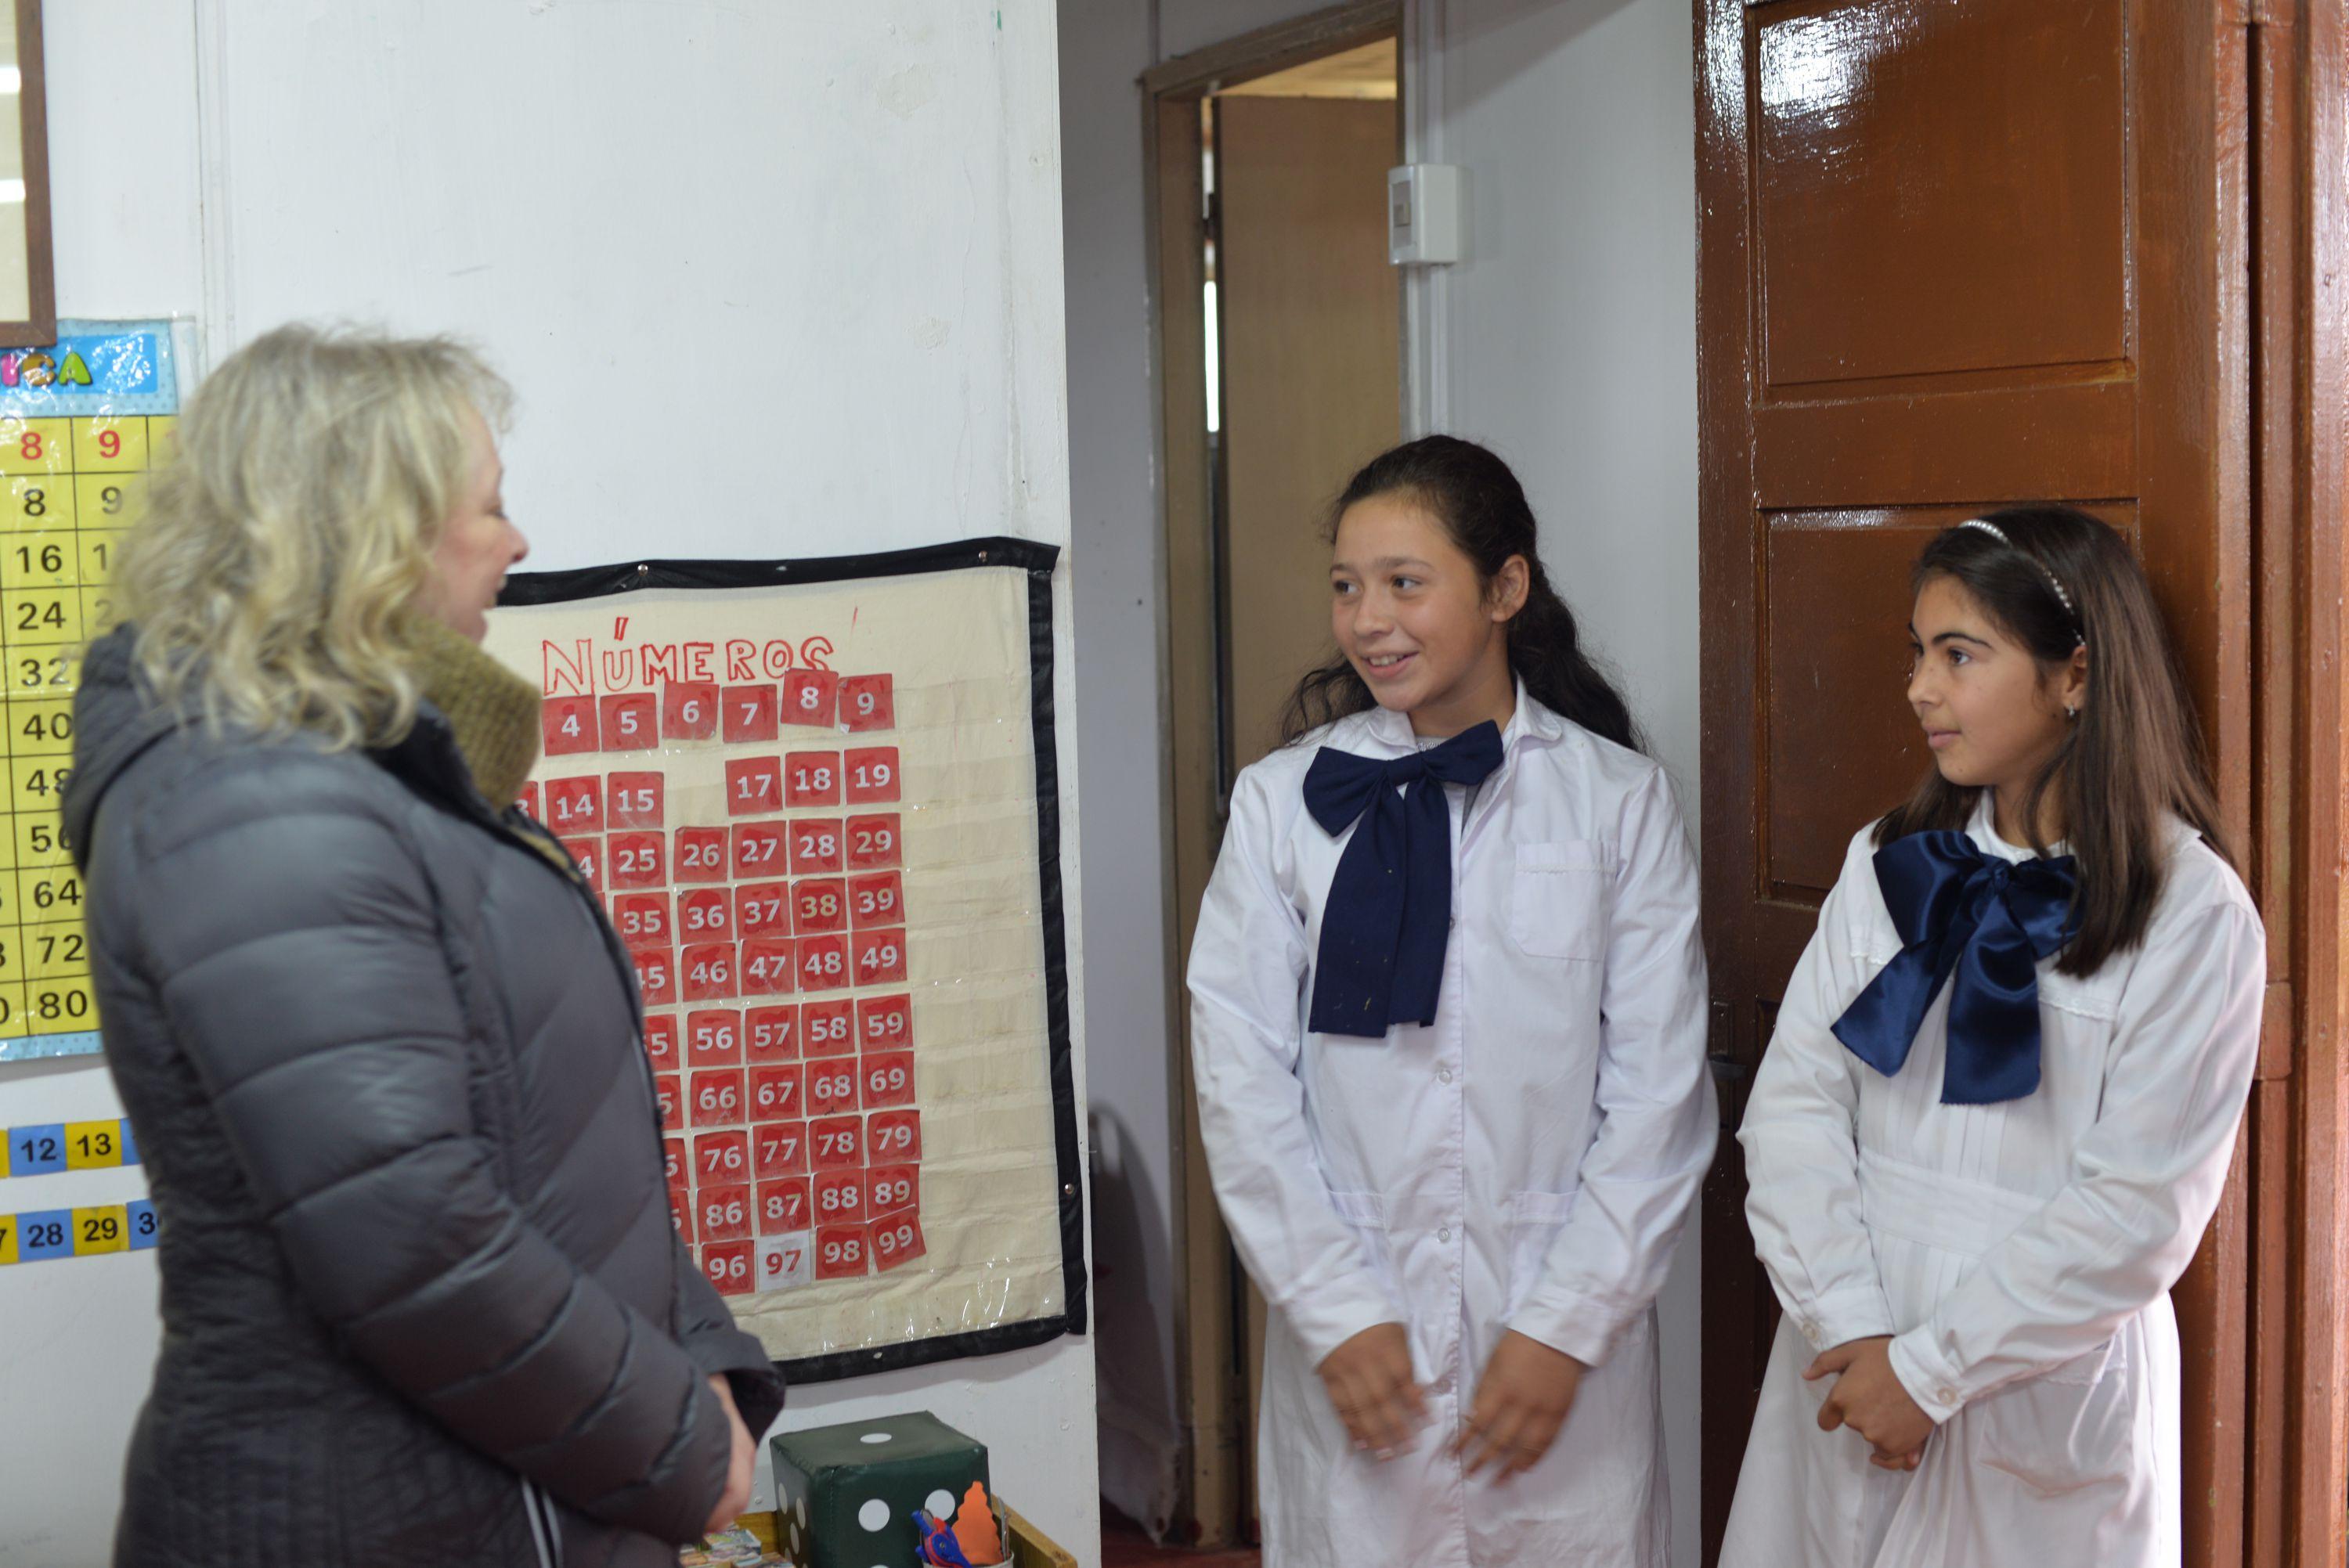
x,y
82,424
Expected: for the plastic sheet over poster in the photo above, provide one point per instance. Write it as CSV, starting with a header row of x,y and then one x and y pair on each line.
x,y
818,800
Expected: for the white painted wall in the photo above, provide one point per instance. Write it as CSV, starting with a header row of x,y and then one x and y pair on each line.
x,y
770,281
1567,340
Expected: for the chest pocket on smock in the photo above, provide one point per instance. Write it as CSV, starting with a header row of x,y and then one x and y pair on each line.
x,y
1558,898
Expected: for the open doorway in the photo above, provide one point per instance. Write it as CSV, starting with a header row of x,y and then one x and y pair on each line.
x,y
1279,373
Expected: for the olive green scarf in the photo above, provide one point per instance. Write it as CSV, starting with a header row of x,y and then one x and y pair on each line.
x,y
493,711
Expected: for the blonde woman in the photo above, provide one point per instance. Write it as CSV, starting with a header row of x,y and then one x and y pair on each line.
x,y
422,1300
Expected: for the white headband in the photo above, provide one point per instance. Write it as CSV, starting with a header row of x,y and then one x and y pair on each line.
x,y
2065,599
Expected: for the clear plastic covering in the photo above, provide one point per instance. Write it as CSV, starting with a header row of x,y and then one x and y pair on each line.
x,y
815,817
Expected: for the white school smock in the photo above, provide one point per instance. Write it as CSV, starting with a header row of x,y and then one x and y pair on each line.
x,y
1524,1162
2022,1253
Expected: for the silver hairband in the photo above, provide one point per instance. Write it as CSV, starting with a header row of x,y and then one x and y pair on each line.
x,y
2053,582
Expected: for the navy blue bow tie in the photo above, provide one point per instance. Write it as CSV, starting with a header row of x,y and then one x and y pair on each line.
x,y
1988,922
1388,916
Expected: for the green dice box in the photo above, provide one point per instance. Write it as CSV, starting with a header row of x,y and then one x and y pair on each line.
x,y
845,1495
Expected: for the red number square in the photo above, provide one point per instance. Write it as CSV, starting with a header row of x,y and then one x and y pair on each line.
x,y
874,842
638,800
763,909
779,1149
839,1251
713,1038
783,1206
588,854
771,1034
660,1042
728,1266
776,1093
837,1144
701,855
872,776
638,861
528,801
575,805
828,1029
811,779
722,1157
881,956
759,849
754,787
750,713
868,702
819,907
656,975
885,1022
705,914
643,919
808,697
567,724
689,710
896,1239
886,1080
839,1197
717,1098
831,1086
673,1160
888,1187
767,965
816,846
631,722
680,1212
721,1214
824,963
672,1101
708,972
896,1135
877,900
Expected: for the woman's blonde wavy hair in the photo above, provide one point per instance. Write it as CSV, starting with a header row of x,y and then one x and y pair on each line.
x,y
277,580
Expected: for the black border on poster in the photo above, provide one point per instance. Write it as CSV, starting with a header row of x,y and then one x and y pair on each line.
x,y
1035,560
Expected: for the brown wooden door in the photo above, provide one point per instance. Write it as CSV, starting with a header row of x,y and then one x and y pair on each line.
x,y
1950,256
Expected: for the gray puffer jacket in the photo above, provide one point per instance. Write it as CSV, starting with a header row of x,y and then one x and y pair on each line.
x,y
381,1057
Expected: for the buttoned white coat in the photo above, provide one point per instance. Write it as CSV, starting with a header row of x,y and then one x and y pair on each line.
x,y
1524,1162
2022,1253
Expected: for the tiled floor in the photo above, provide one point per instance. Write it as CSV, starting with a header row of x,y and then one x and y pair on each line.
x,y
1124,1545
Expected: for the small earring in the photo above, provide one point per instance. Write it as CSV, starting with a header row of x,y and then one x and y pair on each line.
x,y
2071,713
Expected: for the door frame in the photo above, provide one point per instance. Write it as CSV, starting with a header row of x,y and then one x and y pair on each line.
x,y
1210,1374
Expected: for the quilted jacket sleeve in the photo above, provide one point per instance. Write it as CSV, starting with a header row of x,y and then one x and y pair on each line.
x,y
706,1328
289,929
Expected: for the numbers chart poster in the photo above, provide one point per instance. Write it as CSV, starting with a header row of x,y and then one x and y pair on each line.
x,y
818,800
81,422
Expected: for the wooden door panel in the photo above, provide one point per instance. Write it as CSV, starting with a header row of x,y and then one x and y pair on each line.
x,y
1950,256
1939,188
1838,747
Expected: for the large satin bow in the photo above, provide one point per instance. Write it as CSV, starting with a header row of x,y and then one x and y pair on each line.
x,y
1389,914
1987,922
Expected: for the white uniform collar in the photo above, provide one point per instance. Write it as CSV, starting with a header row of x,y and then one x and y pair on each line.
x,y
1979,829
1531,720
